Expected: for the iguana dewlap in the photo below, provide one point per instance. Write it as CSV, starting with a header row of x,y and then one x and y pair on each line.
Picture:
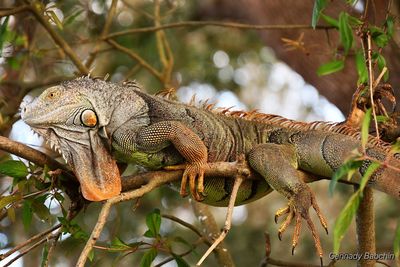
x,y
92,122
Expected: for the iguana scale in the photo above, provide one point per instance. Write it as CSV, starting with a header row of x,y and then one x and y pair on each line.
x,y
92,122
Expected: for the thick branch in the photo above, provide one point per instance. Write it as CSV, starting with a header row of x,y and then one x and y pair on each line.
x,y
28,153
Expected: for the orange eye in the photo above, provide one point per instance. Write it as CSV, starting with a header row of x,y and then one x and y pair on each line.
x,y
89,118
52,94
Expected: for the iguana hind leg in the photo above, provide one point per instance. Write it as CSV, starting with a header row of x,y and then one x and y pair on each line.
x,y
278,165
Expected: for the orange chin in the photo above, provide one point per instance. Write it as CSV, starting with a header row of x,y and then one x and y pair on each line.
x,y
91,191
94,193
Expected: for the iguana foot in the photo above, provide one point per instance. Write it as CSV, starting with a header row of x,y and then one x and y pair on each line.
x,y
297,208
192,172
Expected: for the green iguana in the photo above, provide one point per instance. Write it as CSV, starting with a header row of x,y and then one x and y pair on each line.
x,y
92,122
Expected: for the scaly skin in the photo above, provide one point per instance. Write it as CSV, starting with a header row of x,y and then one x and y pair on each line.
x,y
88,121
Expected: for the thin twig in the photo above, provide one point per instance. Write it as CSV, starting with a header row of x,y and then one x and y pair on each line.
x,y
13,11
138,10
153,183
59,40
212,230
136,57
157,23
163,47
217,24
29,241
183,223
228,220
52,247
371,81
105,31
380,76
105,211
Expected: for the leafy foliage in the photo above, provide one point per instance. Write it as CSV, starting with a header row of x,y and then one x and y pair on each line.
x,y
319,5
153,222
346,34
330,67
14,168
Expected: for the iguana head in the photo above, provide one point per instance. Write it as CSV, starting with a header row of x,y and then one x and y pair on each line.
x,y
76,118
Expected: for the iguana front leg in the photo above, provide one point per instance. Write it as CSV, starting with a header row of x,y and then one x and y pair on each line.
x,y
188,144
278,165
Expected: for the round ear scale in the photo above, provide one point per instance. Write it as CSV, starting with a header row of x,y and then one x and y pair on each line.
x,y
89,118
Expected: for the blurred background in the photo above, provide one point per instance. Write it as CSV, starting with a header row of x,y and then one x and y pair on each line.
x,y
271,70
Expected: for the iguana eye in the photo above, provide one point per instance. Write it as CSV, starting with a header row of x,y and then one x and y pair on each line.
x,y
52,94
89,118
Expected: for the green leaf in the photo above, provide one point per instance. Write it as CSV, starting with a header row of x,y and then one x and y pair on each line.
x,y
13,168
45,253
148,257
368,173
319,5
346,34
354,21
344,220
381,64
389,26
149,234
380,38
14,63
395,148
349,167
119,244
361,67
3,30
27,214
74,229
365,128
90,256
382,118
331,21
396,243
180,261
153,222
40,210
4,201
330,67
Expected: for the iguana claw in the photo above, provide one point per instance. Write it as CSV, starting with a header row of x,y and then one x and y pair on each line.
x,y
192,172
298,209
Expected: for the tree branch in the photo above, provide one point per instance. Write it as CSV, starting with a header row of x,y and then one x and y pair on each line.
x,y
13,11
235,25
33,155
136,57
59,40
